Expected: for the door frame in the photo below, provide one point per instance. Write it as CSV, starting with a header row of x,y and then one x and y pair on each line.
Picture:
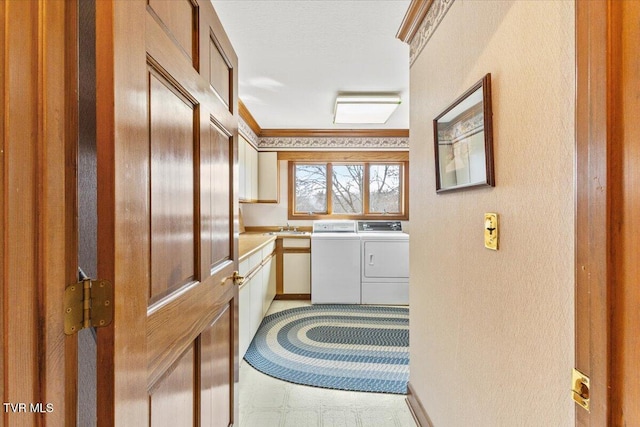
x,y
38,243
592,200
604,239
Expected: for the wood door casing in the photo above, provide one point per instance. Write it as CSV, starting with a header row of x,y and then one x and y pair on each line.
x,y
607,232
38,135
169,160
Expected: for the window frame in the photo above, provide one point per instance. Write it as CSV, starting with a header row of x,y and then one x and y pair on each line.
x,y
366,162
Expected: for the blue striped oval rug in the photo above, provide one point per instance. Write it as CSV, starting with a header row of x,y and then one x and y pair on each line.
x,y
344,347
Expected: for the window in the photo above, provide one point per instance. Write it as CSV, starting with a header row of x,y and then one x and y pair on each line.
x,y
385,191
346,189
374,190
311,188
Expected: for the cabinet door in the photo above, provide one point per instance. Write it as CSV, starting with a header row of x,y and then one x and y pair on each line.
x,y
268,177
242,167
256,302
296,273
268,284
244,319
252,153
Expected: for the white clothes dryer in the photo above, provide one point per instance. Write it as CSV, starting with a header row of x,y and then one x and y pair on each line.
x,y
384,263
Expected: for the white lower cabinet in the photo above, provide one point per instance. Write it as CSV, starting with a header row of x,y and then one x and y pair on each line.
x,y
255,295
296,266
256,302
244,318
296,273
268,284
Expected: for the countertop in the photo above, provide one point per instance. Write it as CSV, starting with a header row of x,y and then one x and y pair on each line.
x,y
248,243
251,241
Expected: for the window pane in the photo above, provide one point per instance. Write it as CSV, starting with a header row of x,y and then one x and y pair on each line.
x,y
384,189
347,189
311,188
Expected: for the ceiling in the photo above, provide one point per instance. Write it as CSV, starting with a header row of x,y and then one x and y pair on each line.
x,y
294,57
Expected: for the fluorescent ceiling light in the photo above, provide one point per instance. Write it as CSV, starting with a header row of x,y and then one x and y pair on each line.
x,y
365,108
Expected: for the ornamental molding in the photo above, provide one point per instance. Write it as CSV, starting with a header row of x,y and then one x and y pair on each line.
x,y
247,132
334,143
431,21
462,129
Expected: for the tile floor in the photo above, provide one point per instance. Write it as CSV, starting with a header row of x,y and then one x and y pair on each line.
x,y
268,402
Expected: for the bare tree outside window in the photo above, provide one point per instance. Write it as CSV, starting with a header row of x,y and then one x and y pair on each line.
x,y
384,189
311,188
360,190
347,189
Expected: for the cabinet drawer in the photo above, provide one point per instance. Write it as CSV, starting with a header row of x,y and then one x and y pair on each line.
x,y
255,260
268,250
296,243
243,268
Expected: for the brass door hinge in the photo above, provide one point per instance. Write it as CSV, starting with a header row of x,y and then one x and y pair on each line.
x,y
580,388
87,303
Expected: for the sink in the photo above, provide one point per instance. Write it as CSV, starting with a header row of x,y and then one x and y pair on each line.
x,y
288,233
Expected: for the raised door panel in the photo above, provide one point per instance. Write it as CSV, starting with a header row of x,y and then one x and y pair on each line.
x,y
217,367
180,21
220,70
173,177
217,219
173,402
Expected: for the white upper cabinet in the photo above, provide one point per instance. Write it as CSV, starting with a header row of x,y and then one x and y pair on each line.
x,y
248,171
251,189
268,177
242,167
258,174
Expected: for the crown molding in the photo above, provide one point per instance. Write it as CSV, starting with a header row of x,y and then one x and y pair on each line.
x,y
320,139
430,23
334,133
343,156
248,118
420,22
413,19
245,131
333,143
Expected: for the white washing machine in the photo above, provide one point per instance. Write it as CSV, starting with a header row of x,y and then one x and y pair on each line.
x,y
335,262
385,263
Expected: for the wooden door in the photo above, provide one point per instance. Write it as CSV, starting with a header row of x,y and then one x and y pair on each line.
x,y
608,230
167,233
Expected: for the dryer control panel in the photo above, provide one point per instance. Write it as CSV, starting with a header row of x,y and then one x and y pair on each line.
x,y
379,226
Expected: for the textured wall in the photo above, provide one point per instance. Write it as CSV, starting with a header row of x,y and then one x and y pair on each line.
x,y
492,332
